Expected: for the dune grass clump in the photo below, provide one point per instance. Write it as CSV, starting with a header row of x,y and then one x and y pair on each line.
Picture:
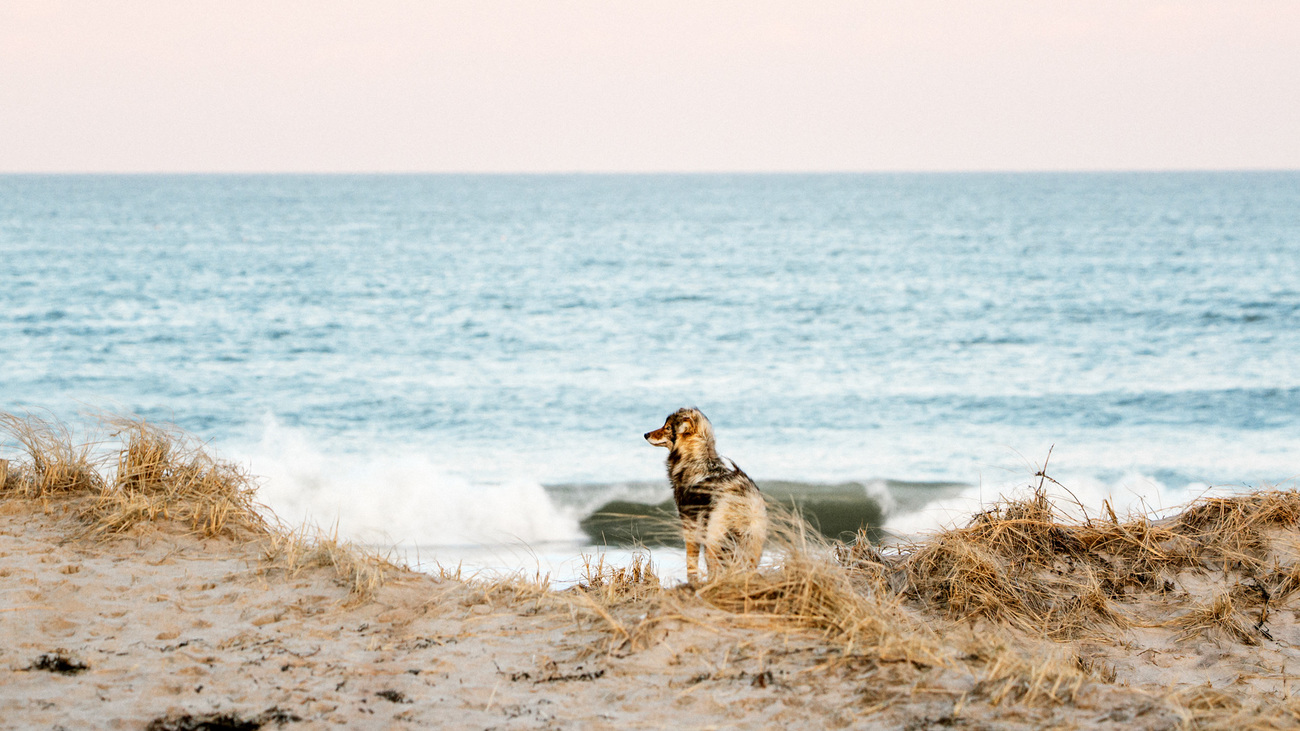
x,y
1218,617
163,472
1233,530
1018,564
1013,678
57,465
1204,707
803,588
1137,554
866,564
1226,533
1013,675
808,588
1023,564
156,473
363,571
609,584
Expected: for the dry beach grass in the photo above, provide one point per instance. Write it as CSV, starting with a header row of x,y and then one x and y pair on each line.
x,y
144,587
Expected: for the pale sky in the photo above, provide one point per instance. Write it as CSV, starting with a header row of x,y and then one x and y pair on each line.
x,y
608,85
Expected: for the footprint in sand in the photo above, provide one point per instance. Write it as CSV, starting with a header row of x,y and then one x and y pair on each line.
x,y
58,627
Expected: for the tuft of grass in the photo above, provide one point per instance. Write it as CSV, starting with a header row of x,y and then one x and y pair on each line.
x,y
610,584
1219,616
1233,530
1207,707
1047,677
809,588
160,473
57,465
1017,563
1022,564
515,589
362,570
165,473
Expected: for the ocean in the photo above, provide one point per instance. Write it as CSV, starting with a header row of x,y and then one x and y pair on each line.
x,y
462,366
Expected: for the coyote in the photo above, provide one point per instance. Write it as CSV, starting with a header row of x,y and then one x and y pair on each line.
x,y
720,507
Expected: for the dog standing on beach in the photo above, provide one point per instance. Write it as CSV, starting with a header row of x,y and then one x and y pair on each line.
x,y
720,507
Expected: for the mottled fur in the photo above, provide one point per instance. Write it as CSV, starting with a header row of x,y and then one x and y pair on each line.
x,y
720,507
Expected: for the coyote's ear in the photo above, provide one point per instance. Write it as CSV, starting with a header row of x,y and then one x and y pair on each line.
x,y
685,426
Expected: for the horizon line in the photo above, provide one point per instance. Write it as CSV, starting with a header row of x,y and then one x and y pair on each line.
x,y
595,173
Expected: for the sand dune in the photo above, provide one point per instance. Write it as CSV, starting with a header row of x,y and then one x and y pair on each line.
x,y
131,600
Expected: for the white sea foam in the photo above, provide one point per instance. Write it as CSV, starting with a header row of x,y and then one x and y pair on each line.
x,y
878,490
398,498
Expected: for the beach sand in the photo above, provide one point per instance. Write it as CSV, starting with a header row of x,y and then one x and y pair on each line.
x,y
161,628
158,627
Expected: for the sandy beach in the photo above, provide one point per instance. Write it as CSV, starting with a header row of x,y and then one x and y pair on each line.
x,y
402,364
166,621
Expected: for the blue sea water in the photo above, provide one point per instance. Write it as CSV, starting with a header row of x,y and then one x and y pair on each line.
x,y
424,359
